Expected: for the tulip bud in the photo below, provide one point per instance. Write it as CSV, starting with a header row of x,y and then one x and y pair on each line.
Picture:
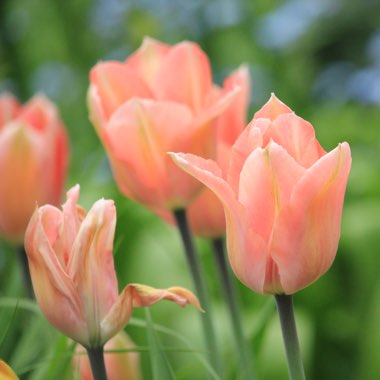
x,y
160,99
33,161
282,197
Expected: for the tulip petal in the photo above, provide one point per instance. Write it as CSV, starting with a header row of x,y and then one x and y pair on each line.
x,y
249,140
139,134
266,183
91,265
115,84
147,60
51,284
9,108
306,233
137,295
297,136
233,120
184,76
272,109
246,249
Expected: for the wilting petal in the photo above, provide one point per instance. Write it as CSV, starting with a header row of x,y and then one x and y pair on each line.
x,y
91,265
137,295
115,84
54,290
307,232
184,76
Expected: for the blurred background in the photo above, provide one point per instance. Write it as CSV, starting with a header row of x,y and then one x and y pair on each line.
x,y
322,58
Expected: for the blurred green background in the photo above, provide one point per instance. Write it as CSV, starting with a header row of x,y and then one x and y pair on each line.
x,y
320,57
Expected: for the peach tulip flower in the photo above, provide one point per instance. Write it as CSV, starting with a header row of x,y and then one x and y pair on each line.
x,y
33,161
71,265
6,372
161,98
205,213
283,198
119,365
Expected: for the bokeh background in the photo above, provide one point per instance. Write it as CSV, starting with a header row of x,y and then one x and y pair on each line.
x,y
320,57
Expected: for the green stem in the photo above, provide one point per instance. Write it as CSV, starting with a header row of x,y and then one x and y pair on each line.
x,y
200,286
98,367
289,332
233,309
25,271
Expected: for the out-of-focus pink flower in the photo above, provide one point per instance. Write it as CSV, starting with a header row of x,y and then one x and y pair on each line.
x,y
6,372
71,265
283,198
33,161
119,365
160,99
205,213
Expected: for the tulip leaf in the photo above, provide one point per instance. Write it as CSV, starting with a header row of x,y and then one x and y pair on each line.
x,y
161,368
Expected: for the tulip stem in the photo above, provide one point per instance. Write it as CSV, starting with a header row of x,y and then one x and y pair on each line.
x,y
25,271
200,286
98,367
289,333
229,294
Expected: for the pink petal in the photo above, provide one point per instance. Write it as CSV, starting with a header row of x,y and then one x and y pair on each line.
x,y
307,232
137,295
115,84
91,265
246,249
9,108
272,109
139,134
184,76
267,180
249,140
54,290
297,136
233,120
147,60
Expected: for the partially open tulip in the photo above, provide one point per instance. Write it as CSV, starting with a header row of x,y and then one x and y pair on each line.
x,y
33,161
6,372
119,365
205,213
283,198
160,99
71,265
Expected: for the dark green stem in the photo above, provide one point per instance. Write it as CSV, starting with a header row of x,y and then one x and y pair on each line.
x,y
229,294
200,286
98,367
25,271
289,333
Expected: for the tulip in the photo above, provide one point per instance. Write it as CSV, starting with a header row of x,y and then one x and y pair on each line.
x,y
205,213
119,365
282,197
71,264
161,98
33,161
6,372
